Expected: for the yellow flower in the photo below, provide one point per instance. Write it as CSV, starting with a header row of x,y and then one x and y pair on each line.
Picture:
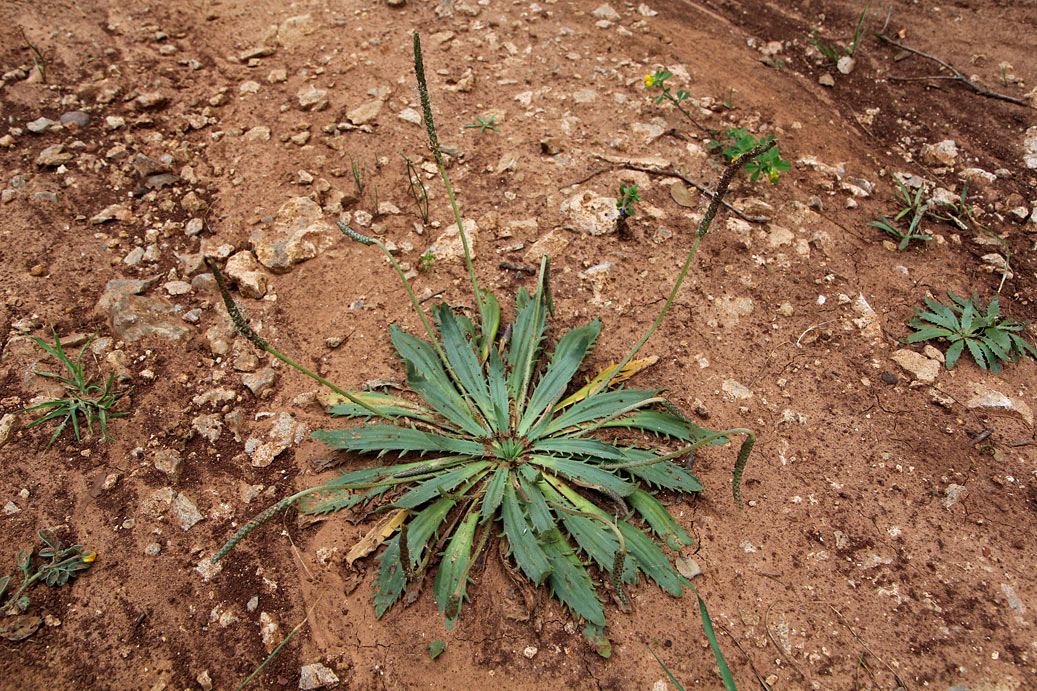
x,y
773,175
90,557
649,80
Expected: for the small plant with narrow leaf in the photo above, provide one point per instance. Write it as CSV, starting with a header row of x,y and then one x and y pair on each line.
x,y
990,338
87,400
57,565
493,449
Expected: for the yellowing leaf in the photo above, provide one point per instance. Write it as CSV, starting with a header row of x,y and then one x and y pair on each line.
x,y
377,535
632,368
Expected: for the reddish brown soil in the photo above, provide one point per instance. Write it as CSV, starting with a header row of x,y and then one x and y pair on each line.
x,y
846,569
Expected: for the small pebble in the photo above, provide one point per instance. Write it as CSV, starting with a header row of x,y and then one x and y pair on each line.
x,y
153,549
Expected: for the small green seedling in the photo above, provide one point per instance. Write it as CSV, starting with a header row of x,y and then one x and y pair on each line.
x,y
729,100
417,189
628,196
739,142
484,125
37,58
86,397
358,175
436,648
904,236
426,260
847,51
63,564
990,338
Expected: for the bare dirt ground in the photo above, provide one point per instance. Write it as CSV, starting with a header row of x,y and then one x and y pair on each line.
x,y
888,535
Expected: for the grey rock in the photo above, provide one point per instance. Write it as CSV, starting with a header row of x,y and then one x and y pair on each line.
x,y
260,382
316,676
243,269
1030,147
310,96
121,287
134,317
208,426
585,96
134,257
991,400
943,153
298,233
185,513
8,423
153,549
149,100
113,212
365,113
606,12
169,462
40,125
75,118
922,368
589,212
53,156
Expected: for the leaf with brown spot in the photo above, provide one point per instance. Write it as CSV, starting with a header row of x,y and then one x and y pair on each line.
x,y
377,535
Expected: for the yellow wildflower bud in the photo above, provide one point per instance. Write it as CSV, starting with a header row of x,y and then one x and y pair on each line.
x,y
90,557
649,80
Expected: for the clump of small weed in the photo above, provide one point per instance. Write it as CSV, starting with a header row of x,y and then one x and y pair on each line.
x,y
990,338
483,124
628,196
427,260
59,564
86,398
739,142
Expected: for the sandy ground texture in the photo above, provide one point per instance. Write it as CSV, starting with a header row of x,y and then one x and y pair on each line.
x,y
887,538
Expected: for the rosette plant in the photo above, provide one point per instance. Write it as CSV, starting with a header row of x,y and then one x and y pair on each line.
x,y
490,447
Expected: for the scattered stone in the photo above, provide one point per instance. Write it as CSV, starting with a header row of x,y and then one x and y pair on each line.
x,y
1030,147
294,30
310,97
508,161
8,423
943,153
185,513
736,390
169,462
175,288
269,631
889,378
868,321
114,122
153,549
922,368
193,204
953,494
243,269
134,317
53,156
260,382
551,146
826,80
40,125
585,96
846,64
298,233
10,508
589,212
597,277
731,309
207,569
208,426
448,245
316,676
149,100
283,433
259,133
990,400
410,115
550,244
204,681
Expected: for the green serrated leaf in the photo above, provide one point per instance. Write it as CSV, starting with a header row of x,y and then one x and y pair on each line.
x,y
596,637
657,422
569,580
952,354
536,507
525,344
525,548
490,316
391,580
494,492
584,473
651,559
666,474
924,333
597,540
977,352
660,520
383,438
383,403
594,407
589,448
567,357
498,389
436,486
449,588
463,360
